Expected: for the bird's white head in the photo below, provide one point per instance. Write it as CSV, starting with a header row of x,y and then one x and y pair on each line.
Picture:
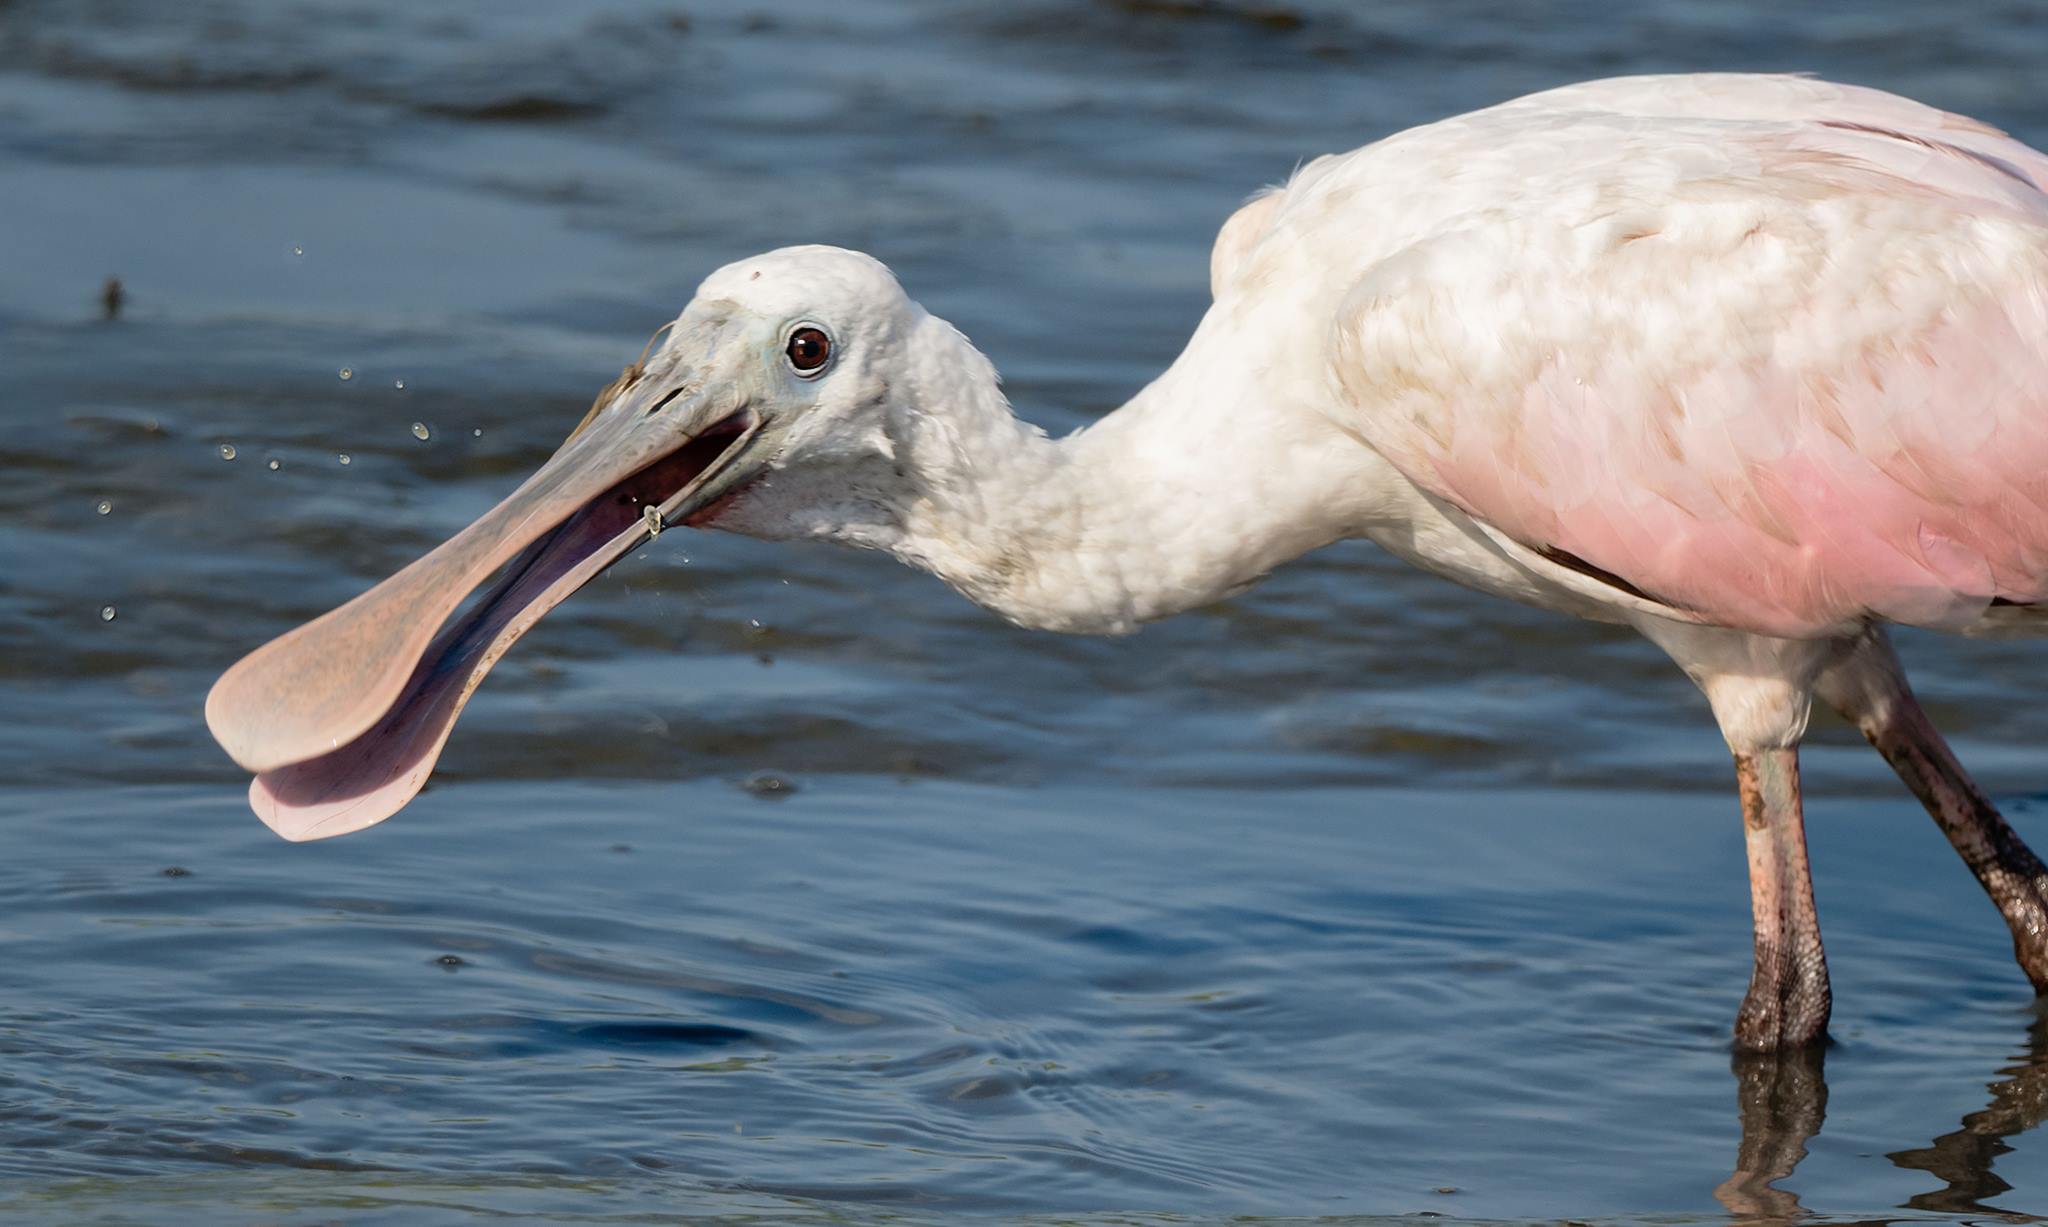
x,y
821,361
784,401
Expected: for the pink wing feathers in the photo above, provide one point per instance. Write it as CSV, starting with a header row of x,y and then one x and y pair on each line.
x,y
1786,388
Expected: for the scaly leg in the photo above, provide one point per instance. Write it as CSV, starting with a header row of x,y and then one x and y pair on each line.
x,y
1761,690
1788,1000
1869,687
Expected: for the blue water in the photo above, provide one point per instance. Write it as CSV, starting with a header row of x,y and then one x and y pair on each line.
x,y
769,884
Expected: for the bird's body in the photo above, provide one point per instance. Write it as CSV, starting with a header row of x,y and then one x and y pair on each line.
x,y
1754,364
1689,333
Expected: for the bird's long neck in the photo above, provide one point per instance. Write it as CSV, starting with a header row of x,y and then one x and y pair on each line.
x,y
1191,491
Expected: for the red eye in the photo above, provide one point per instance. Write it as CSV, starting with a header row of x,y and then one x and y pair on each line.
x,y
808,349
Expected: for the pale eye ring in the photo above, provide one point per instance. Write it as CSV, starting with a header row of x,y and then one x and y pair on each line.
x,y
808,350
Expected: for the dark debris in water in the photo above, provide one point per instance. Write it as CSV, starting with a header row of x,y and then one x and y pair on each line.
x,y
517,108
769,785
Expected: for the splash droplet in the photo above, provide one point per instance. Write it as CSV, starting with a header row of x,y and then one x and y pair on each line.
x,y
347,372
297,250
106,613
478,433
344,458
420,431
105,507
227,451
275,466
399,384
650,515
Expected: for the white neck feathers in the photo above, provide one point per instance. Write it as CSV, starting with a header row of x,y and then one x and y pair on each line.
x,y
1171,502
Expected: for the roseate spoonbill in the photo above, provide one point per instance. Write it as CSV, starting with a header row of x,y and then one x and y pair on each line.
x,y
1753,364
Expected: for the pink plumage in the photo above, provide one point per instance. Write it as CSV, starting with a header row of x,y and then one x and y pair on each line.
x,y
1801,385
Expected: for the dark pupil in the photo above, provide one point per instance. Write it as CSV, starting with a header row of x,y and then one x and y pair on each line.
x,y
808,349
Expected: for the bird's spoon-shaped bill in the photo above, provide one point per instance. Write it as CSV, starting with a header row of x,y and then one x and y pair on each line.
x,y
343,718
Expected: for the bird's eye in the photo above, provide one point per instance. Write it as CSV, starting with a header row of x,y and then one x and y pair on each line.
x,y
808,350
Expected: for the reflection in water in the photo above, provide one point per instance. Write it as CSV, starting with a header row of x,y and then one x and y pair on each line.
x,y
1783,1098
1963,1158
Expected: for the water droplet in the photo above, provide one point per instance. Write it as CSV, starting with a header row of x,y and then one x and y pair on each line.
x,y
344,458
227,451
106,507
399,384
420,431
275,466
477,433
650,515
298,250
107,613
347,372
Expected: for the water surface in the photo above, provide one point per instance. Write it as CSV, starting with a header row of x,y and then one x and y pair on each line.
x,y
1357,896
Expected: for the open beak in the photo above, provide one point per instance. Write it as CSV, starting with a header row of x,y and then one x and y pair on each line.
x,y
343,718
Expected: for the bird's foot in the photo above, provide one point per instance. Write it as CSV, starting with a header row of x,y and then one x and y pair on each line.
x,y
1773,1027
1787,1005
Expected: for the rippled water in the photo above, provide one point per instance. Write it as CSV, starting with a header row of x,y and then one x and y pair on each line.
x,y
771,884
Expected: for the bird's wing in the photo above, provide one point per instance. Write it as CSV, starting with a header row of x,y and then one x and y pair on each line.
x,y
1781,99
1784,388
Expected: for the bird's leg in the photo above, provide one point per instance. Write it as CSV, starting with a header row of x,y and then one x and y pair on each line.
x,y
1761,690
1788,1000
1868,686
